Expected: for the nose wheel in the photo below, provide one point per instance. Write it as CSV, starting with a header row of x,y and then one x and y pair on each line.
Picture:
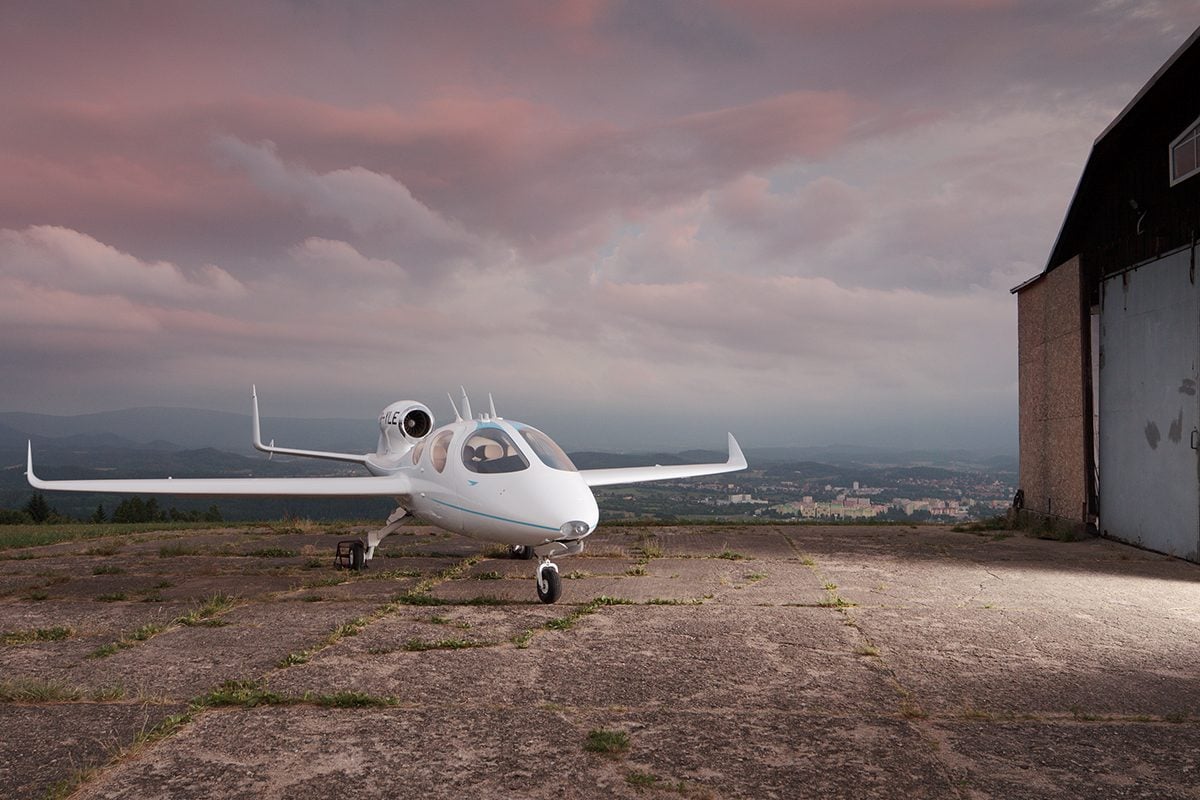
x,y
549,584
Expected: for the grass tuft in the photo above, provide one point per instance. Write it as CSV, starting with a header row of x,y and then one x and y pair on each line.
x,y
37,690
246,694
416,645
55,634
606,742
208,610
271,552
419,599
176,550
642,780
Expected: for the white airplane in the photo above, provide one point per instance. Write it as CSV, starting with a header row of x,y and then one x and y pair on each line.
x,y
487,477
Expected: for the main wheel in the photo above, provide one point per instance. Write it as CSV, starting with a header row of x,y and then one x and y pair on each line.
x,y
357,556
521,551
549,585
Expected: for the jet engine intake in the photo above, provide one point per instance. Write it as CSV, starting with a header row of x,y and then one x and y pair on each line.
x,y
403,424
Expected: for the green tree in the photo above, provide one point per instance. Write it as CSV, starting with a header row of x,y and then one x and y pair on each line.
x,y
134,509
38,509
99,516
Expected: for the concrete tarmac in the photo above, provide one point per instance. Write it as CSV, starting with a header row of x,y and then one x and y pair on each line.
x,y
697,662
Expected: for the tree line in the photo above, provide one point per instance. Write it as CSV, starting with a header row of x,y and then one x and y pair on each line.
x,y
38,511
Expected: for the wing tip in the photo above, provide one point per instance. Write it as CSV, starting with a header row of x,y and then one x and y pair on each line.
x,y
736,457
33,479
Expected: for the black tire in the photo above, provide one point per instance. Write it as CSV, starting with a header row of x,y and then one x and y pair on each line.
x,y
553,586
521,551
358,553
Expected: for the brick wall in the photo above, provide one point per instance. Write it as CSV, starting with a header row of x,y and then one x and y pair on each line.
x,y
1054,416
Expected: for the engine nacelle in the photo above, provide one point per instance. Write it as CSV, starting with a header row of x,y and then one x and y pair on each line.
x,y
403,424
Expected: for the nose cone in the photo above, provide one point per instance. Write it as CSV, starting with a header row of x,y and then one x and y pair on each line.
x,y
582,513
572,507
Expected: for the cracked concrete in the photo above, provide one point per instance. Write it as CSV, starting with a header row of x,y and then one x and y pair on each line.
x,y
809,661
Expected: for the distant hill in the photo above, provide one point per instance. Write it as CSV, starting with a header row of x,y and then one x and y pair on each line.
x,y
589,459
857,455
191,427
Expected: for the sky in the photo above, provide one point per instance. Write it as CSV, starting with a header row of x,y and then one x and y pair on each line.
x,y
637,223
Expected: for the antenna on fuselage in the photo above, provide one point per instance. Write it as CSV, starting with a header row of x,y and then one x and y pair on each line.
x,y
457,416
466,403
492,407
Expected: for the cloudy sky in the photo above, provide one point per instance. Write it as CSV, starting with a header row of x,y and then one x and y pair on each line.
x,y
636,223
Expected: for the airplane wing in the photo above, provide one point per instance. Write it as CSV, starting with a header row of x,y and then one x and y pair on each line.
x,y
366,486
610,477
291,451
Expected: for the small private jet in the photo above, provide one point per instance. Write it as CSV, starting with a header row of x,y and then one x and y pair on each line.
x,y
487,477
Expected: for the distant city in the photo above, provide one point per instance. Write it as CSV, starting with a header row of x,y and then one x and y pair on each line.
x,y
825,492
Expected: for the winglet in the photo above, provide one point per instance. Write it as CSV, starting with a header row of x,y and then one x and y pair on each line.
x,y
34,480
736,457
258,444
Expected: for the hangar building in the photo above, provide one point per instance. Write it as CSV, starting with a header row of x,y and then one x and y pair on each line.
x,y
1109,333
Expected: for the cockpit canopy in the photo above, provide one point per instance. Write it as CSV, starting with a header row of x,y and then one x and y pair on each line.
x,y
490,450
546,449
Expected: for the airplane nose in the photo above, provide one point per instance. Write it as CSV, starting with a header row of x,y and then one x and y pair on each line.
x,y
575,529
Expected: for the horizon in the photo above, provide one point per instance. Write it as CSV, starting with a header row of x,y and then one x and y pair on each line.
x,y
636,222
607,446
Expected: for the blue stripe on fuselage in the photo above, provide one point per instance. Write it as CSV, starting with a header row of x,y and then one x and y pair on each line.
x,y
493,516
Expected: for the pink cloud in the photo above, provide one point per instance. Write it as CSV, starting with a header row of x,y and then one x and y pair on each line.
x,y
58,256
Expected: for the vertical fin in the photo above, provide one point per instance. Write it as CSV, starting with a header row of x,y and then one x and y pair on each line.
x,y
457,416
466,404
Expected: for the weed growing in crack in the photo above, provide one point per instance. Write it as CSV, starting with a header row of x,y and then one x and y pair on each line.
x,y
55,634
415,645
607,743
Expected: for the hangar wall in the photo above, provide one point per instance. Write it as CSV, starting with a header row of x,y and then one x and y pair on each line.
x,y
1055,416
1150,406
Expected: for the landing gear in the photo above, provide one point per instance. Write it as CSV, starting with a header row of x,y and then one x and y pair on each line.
x,y
521,551
549,584
350,554
354,554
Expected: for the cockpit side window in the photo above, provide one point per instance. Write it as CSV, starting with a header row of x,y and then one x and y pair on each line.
x,y
491,451
550,453
439,450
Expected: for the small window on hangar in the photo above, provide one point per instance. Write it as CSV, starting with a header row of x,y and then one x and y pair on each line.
x,y
1184,161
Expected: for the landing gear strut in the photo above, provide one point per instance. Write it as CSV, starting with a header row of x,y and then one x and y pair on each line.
x,y
354,554
549,584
